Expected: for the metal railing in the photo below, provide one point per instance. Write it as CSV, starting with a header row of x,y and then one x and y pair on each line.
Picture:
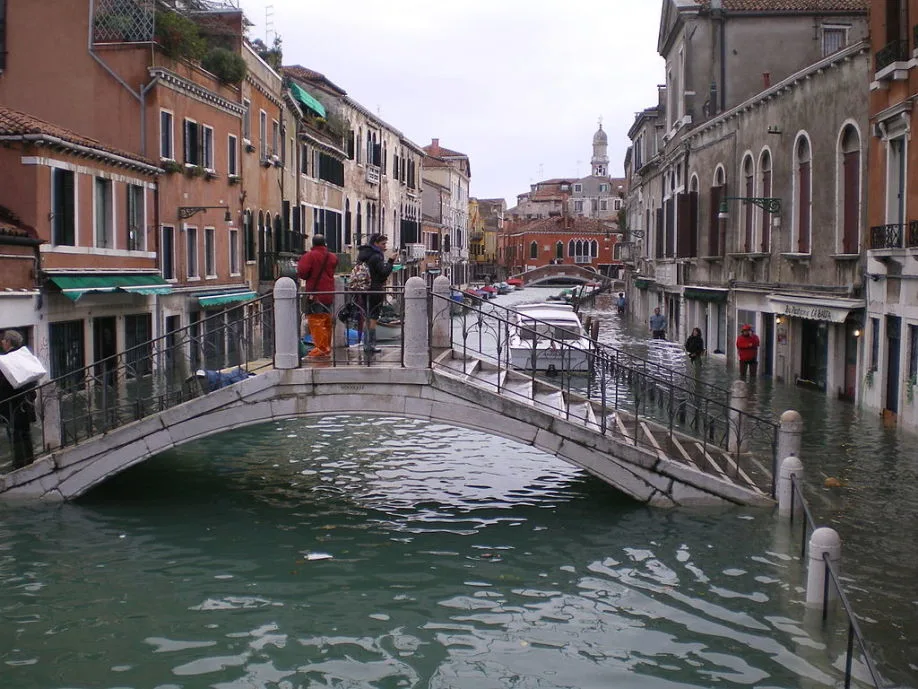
x,y
145,379
894,51
911,240
639,391
886,236
831,575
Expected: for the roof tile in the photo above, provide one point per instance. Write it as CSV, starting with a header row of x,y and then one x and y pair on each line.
x,y
791,5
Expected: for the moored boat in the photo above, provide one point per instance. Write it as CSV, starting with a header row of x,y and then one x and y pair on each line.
x,y
549,337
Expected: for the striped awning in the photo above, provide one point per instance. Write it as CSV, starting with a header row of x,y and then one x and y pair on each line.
x,y
75,286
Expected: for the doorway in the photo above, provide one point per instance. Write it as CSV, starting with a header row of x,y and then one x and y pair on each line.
x,y
767,362
814,354
104,346
893,346
849,385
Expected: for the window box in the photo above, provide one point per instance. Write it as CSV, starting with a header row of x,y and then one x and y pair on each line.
x,y
210,174
171,167
233,179
248,146
796,257
266,162
193,170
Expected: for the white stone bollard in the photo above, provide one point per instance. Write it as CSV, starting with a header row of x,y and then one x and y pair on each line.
x,y
339,335
415,334
738,395
286,325
790,467
790,433
822,540
50,404
440,331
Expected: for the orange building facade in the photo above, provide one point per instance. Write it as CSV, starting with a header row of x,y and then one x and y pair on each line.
x,y
890,362
528,244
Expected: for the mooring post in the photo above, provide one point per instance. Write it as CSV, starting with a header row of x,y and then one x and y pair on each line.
x,y
286,325
442,303
791,468
790,432
738,396
340,327
823,541
415,333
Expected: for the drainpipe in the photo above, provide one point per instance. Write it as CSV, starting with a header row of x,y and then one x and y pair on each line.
x,y
722,21
139,96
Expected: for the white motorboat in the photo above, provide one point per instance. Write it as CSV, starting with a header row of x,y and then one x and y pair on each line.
x,y
549,337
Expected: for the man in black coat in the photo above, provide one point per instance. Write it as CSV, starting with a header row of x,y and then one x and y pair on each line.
x,y
17,410
380,266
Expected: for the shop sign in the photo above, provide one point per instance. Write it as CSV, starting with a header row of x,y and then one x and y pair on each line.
x,y
835,311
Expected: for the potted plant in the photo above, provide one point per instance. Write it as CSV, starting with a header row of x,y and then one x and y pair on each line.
x,y
249,146
171,167
226,65
210,174
193,170
233,179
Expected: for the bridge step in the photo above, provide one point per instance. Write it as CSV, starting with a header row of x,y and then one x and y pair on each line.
x,y
550,398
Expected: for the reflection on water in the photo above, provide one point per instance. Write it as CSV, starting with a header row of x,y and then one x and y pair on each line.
x,y
354,551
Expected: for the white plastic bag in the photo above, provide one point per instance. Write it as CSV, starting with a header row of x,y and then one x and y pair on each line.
x,y
21,367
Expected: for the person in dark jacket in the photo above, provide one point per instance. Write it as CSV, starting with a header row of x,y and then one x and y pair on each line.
x,y
316,268
17,409
694,345
379,263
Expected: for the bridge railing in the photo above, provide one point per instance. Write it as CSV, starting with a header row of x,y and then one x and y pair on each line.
x,y
140,381
636,389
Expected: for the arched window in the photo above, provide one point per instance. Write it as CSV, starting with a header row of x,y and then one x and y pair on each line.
x,y
359,148
716,226
765,176
850,189
747,241
359,237
802,193
279,244
269,239
261,233
534,250
571,248
594,248
559,251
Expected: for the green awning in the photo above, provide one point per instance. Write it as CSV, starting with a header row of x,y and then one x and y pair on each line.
x,y
307,100
221,299
643,283
75,286
397,267
706,294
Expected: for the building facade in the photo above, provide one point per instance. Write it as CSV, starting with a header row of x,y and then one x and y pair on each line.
x,y
751,211
451,170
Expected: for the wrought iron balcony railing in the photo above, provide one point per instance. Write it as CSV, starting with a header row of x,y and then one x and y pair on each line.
x,y
911,241
894,51
886,236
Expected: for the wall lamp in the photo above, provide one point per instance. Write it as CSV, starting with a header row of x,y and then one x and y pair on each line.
x,y
185,212
767,204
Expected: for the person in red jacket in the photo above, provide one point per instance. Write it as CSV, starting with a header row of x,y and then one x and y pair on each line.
x,y
747,349
316,268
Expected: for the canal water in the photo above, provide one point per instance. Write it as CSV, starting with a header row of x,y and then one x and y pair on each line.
x,y
358,551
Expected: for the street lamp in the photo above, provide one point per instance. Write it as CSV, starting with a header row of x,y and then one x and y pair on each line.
x,y
186,212
768,204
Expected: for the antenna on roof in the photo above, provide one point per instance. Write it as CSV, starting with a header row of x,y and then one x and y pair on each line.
x,y
541,171
269,23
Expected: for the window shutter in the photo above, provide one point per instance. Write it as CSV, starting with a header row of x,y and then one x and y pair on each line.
x,y
803,215
659,234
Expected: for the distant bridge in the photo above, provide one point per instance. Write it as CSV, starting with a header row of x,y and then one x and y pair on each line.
x,y
698,454
562,274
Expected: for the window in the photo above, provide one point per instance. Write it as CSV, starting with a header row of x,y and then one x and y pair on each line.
x,y
263,133
874,344
559,251
247,120
67,351
765,171
603,204
232,157
248,228
716,226
834,39
234,252
63,230
578,206
603,188
912,353
747,240
802,195
105,235
167,253
191,251
578,188
2,34
138,350
895,181
850,187
534,250
166,135
192,143
208,148
617,204
134,227
275,138
210,264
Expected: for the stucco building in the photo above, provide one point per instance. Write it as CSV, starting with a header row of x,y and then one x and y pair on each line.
x,y
745,198
451,170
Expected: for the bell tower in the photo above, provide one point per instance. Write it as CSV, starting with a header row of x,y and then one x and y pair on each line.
x,y
600,160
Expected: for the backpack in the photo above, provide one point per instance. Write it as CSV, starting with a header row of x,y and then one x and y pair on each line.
x,y
359,279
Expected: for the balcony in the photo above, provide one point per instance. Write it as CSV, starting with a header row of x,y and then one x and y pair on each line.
x,y
911,240
891,61
887,236
415,252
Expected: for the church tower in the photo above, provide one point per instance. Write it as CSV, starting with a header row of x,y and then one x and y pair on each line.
x,y
600,161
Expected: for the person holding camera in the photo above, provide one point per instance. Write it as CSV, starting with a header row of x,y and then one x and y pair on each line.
x,y
379,261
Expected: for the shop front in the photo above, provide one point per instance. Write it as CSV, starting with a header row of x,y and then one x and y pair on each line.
x,y
816,342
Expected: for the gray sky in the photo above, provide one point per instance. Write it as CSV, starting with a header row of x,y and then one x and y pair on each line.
x,y
518,85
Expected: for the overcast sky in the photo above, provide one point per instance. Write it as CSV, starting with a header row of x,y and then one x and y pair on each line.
x,y
518,85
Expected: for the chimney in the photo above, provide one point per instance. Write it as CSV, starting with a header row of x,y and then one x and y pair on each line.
x,y
435,147
766,80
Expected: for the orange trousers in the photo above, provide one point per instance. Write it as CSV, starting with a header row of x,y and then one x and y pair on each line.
x,y
320,328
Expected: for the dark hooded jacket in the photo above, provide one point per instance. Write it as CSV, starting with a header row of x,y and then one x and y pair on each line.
x,y
379,266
